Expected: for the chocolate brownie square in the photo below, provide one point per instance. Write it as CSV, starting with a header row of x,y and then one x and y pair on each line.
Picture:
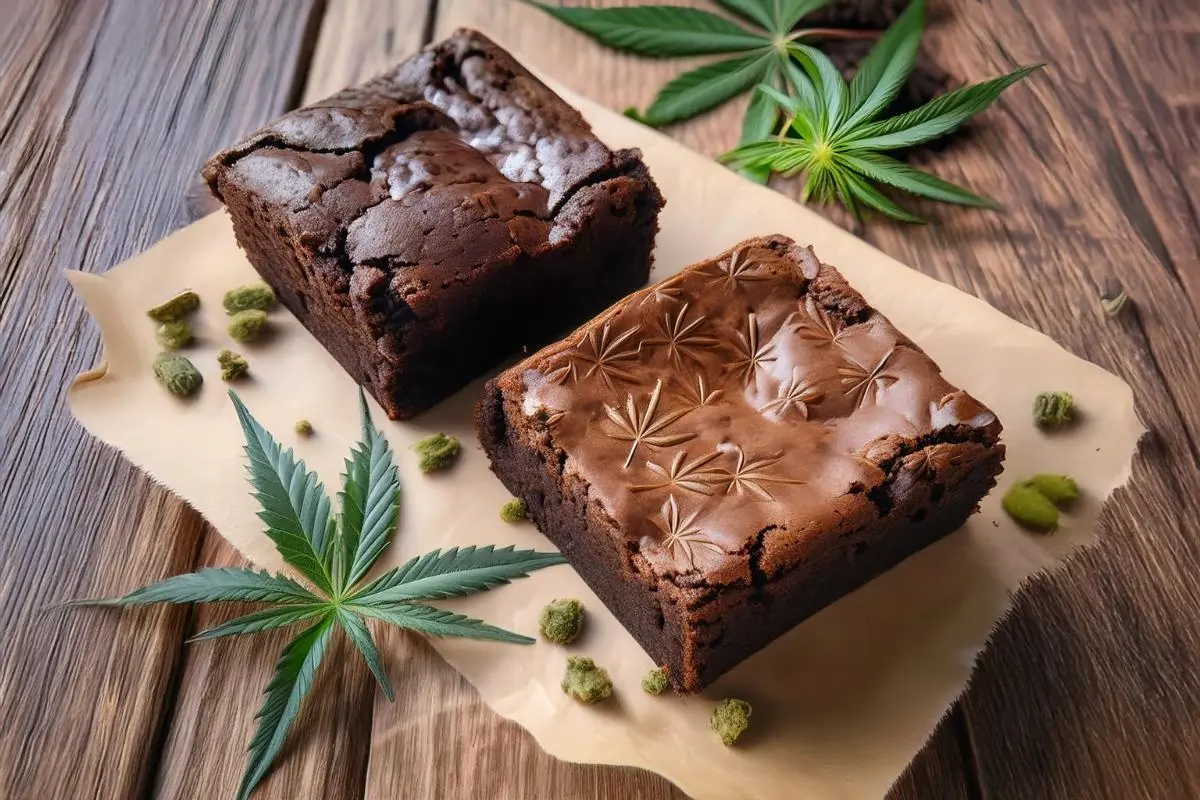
x,y
725,453
430,221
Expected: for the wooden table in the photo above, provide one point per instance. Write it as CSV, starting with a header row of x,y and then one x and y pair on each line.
x,y
107,107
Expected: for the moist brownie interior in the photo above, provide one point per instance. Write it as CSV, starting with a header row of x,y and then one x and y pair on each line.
x,y
430,221
723,454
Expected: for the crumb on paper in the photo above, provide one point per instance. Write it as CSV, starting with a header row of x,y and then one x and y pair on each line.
x,y
514,510
437,452
730,719
561,621
177,374
253,296
181,304
585,681
248,325
303,428
233,366
656,681
174,334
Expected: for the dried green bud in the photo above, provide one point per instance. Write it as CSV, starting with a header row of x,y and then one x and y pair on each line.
x,y
514,510
233,366
257,296
730,719
248,325
1030,508
174,334
437,452
585,681
1052,409
303,428
183,303
561,621
177,374
656,681
1058,489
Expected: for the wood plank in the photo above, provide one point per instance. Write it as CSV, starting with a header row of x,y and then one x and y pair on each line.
x,y
92,167
205,754
220,692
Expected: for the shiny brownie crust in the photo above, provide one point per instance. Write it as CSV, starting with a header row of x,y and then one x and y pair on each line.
x,y
725,453
434,219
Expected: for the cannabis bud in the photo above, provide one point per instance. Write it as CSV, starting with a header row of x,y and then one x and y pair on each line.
x,y
233,366
254,296
730,719
656,681
248,325
174,334
437,452
177,374
183,303
1053,409
1034,502
303,428
514,510
585,681
561,621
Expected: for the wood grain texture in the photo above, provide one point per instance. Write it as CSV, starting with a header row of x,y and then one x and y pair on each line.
x,y
106,109
220,691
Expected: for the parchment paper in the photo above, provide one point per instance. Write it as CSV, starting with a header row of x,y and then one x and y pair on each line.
x,y
843,702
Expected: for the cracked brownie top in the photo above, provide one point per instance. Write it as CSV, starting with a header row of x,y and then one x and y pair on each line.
x,y
725,416
453,160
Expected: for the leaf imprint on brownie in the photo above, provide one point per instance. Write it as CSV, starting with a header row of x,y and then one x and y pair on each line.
x,y
698,394
683,535
751,473
734,271
663,293
600,354
752,354
645,427
690,475
794,393
819,327
862,383
930,460
680,337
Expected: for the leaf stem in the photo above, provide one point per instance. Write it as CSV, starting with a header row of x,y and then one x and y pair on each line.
x,y
832,33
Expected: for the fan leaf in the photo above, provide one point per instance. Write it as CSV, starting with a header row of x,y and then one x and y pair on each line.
x,y
455,573
756,11
871,197
885,169
436,622
788,12
705,87
762,115
936,118
265,620
370,501
293,678
882,74
214,585
829,83
360,634
294,506
657,31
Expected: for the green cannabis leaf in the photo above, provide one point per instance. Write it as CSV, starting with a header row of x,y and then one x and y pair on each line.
x,y
334,553
837,143
760,53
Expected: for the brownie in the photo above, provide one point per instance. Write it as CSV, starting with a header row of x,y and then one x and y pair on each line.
x,y
725,453
434,219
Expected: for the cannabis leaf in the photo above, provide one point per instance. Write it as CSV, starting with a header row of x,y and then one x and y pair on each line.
x,y
837,143
760,53
334,553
